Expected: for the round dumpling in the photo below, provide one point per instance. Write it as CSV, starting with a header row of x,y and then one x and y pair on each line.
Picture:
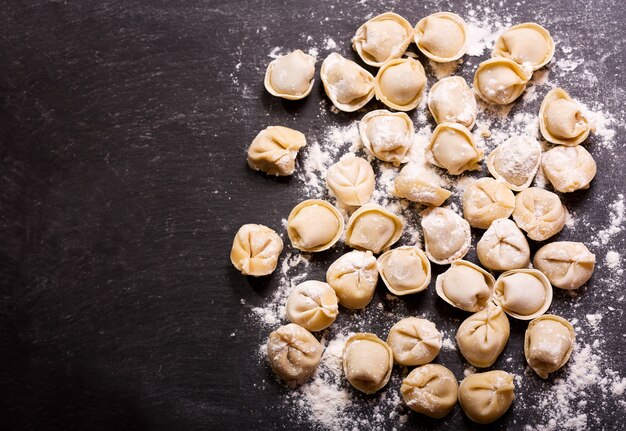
x,y
453,148
404,270
539,212
351,180
500,81
294,353
503,246
523,293
419,185
256,249
451,100
367,362
485,397
562,120
414,341
568,168
387,135
526,43
515,161
353,277
346,84
465,286
312,305
447,235
567,264
291,76
314,225
482,336
400,83
274,150
373,228
430,390
548,344
382,38
486,200
442,37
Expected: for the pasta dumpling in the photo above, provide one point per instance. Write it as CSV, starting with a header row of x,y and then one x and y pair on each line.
x,y
567,264
256,249
482,336
452,147
291,76
373,228
367,362
503,247
568,168
442,37
430,390
523,293
526,43
515,161
351,180
485,397
404,270
346,84
312,305
562,120
400,84
465,286
387,135
447,235
419,185
500,81
487,200
548,344
540,213
382,38
414,341
353,277
451,100
314,225
274,150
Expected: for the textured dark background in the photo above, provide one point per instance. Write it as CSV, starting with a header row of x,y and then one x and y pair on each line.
x,y
123,129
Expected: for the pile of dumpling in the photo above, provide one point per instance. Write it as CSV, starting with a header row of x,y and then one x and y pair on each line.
x,y
314,225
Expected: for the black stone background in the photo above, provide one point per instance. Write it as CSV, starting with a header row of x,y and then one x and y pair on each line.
x,y
123,180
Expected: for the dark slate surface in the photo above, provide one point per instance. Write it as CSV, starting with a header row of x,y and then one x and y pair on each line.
x,y
123,129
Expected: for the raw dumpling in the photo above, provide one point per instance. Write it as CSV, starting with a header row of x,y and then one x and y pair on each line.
x,y
404,270
486,200
485,397
373,228
568,168
347,84
523,293
351,180
387,135
503,246
314,225
382,38
548,344
500,81
312,305
414,341
568,265
482,336
451,100
367,362
539,212
442,37
353,277
274,150
453,148
515,161
421,186
430,390
291,76
256,249
465,286
294,353
447,235
562,120
400,83
526,43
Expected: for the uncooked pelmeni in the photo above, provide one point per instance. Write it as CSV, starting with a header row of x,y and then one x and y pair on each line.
x,y
523,293
293,353
447,235
452,147
539,212
346,84
291,76
500,81
568,168
485,397
312,305
465,286
353,277
548,344
373,228
367,362
400,83
562,120
451,100
256,249
404,270
430,390
526,43
515,161
442,37
351,180
274,150
482,336
486,200
420,185
503,247
387,135
567,264
314,225
414,341
382,38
